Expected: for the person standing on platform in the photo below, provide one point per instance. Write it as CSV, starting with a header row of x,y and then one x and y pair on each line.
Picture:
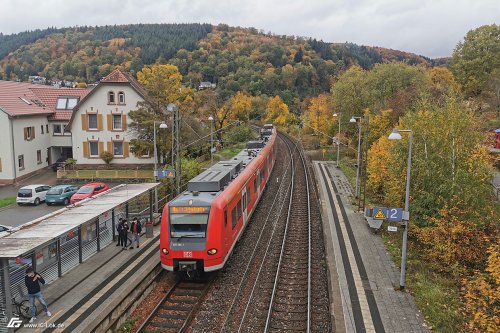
x,y
119,229
125,234
32,281
135,229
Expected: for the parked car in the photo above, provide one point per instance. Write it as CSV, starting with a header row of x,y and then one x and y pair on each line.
x,y
60,163
89,190
33,194
4,228
60,194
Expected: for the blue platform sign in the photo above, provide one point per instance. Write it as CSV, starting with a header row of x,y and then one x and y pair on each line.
x,y
165,173
395,214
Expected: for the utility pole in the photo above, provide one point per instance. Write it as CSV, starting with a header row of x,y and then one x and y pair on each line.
x,y
176,158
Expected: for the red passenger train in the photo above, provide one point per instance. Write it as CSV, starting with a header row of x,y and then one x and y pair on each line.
x,y
201,226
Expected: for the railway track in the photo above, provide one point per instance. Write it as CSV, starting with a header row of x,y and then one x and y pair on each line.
x,y
290,304
176,309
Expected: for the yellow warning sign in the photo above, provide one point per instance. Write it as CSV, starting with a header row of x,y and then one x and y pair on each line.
x,y
379,215
170,175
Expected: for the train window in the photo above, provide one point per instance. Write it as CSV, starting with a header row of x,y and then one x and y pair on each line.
x,y
248,195
238,207
255,184
245,196
233,217
225,218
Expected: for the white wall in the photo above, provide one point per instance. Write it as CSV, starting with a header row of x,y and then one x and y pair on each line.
x,y
29,148
7,172
98,101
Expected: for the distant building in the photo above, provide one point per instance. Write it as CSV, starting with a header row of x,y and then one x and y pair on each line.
x,y
206,85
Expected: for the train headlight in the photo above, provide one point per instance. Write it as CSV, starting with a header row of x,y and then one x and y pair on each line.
x,y
212,252
165,251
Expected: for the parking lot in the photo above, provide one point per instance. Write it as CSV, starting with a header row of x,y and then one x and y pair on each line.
x,y
17,215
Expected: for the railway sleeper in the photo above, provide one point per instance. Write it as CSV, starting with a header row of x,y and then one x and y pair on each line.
x,y
180,301
171,316
166,324
289,325
176,308
290,308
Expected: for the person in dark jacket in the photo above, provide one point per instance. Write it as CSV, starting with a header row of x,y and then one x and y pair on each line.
x,y
124,234
119,229
32,281
135,229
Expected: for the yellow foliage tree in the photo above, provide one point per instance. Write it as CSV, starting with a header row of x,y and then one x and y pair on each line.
x,y
380,125
482,295
378,156
277,111
319,117
162,82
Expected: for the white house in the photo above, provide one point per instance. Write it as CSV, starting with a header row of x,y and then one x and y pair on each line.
x,y
28,114
99,121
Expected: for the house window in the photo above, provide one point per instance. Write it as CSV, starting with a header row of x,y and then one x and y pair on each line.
x,y
47,128
111,97
41,126
118,148
66,130
92,118
57,129
66,103
20,162
117,122
29,133
94,148
121,97
39,156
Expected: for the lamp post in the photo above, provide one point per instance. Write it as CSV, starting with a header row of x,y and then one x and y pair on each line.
x,y
338,138
211,119
355,120
155,153
406,214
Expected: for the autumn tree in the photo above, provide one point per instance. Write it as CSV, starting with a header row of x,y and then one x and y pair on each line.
x,y
476,57
277,111
319,117
162,84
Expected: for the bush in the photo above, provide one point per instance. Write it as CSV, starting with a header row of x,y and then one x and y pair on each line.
x,y
106,156
241,133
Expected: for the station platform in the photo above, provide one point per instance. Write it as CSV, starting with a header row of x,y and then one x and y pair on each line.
x,y
91,296
363,277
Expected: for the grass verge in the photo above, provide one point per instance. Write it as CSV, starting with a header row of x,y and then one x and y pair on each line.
x,y
437,296
7,201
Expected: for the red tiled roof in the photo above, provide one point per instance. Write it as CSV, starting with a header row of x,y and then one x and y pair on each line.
x,y
115,76
49,95
37,99
12,104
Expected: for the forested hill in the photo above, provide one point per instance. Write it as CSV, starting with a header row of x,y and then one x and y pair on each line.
x,y
234,58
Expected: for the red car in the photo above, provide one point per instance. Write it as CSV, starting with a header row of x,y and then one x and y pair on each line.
x,y
88,190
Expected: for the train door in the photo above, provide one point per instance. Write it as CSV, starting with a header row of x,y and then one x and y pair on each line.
x,y
226,232
244,198
258,183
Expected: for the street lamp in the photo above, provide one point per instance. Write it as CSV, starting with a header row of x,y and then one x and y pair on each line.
x,y
338,138
395,135
211,119
355,120
155,153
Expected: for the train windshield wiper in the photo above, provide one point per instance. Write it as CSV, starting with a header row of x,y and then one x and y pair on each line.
x,y
201,235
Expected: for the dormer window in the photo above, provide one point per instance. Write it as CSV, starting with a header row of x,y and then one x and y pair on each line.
x,y
66,103
111,97
121,97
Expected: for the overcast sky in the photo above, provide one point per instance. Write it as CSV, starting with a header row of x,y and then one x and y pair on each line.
x,y
428,27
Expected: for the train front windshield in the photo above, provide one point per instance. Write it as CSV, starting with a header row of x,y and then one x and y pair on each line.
x,y
188,225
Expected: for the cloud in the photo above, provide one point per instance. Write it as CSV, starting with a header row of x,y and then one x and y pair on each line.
x,y
430,28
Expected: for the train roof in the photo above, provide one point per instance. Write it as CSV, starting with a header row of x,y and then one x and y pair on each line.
x,y
208,185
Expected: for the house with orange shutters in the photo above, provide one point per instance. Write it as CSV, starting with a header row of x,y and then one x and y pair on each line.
x,y
99,122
